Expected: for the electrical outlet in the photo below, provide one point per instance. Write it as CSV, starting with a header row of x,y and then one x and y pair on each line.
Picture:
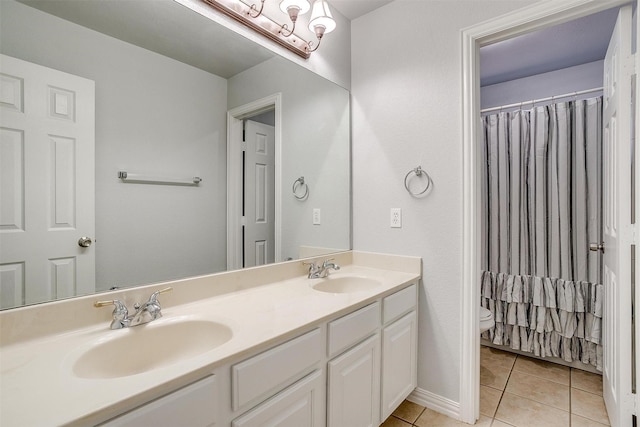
x,y
316,216
396,218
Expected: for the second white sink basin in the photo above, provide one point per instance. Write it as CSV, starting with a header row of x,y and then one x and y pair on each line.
x,y
345,284
153,345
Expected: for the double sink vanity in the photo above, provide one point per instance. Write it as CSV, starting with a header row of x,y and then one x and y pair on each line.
x,y
263,346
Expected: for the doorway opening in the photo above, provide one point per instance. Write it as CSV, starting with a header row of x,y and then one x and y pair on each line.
x,y
258,187
253,177
521,22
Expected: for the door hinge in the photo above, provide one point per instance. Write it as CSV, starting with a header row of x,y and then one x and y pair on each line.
x,y
629,401
630,63
244,146
243,221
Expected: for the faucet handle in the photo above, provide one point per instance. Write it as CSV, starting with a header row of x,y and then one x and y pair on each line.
x,y
154,296
120,312
326,261
119,306
312,266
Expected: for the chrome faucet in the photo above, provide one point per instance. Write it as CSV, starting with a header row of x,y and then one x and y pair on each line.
x,y
145,313
317,271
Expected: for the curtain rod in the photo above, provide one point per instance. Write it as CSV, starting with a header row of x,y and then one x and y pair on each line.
x,y
536,101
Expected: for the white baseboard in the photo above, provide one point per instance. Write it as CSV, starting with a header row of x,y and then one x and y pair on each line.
x,y
435,402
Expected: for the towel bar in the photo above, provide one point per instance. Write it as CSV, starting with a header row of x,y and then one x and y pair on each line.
x,y
418,171
146,179
298,183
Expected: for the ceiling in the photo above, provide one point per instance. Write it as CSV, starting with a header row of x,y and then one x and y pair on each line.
x,y
165,27
573,43
353,9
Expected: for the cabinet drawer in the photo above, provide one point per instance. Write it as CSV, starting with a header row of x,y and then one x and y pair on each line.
x,y
259,377
298,406
399,303
192,405
353,328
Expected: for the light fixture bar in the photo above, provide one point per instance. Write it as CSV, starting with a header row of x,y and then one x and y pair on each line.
x,y
239,11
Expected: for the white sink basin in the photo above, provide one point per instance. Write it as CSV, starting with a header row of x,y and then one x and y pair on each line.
x,y
153,345
345,284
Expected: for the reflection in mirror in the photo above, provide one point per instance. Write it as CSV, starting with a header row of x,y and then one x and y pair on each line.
x,y
145,87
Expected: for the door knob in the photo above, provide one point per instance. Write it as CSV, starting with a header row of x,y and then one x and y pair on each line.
x,y
596,247
85,242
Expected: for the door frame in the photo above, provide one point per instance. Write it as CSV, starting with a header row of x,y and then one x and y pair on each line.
x,y
532,18
235,119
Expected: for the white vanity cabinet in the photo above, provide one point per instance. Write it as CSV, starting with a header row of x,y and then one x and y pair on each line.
x,y
399,349
353,377
350,371
353,395
300,405
377,367
192,405
289,381
261,376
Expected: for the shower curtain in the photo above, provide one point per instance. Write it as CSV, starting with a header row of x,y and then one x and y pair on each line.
x,y
541,209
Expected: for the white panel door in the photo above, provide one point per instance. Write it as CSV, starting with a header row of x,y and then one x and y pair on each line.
x,y
259,194
46,183
617,230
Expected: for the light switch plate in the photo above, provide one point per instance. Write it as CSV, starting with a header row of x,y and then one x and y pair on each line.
x,y
316,216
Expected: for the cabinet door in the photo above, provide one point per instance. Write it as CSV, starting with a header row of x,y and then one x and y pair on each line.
x,y
399,363
190,406
354,386
301,405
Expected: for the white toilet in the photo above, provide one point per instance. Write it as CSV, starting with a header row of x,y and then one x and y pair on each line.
x,y
486,320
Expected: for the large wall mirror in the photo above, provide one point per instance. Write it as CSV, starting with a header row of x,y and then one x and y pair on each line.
x,y
155,80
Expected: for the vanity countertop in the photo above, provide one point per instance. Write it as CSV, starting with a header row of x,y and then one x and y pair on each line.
x,y
38,386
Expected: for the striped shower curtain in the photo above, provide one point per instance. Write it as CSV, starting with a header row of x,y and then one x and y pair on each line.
x,y
541,209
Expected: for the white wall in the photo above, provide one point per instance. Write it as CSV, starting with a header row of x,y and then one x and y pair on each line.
x,y
331,61
315,144
560,82
407,111
153,115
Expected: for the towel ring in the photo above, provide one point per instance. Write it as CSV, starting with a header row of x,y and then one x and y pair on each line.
x,y
418,172
296,185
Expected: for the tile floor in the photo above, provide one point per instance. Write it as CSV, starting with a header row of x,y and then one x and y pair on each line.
x,y
522,392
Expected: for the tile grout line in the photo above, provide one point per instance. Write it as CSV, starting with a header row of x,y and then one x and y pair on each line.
x,y
504,390
570,393
413,424
569,411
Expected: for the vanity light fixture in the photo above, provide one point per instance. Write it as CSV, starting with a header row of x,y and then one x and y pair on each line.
x,y
293,8
253,10
321,21
247,13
